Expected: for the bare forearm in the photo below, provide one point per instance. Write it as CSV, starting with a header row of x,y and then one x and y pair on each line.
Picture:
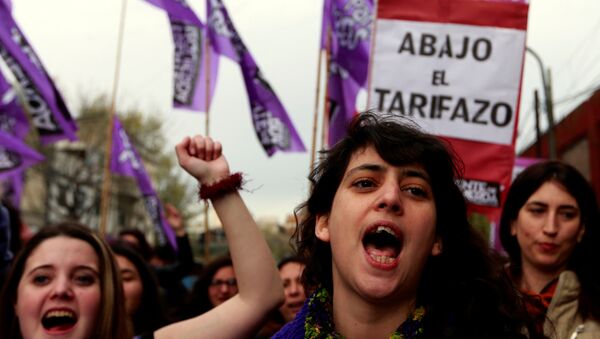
x,y
260,289
255,268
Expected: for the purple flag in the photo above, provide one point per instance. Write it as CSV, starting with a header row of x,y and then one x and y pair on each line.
x,y
15,155
272,124
49,113
342,91
12,188
190,66
190,55
12,117
126,161
350,23
222,33
8,4
178,10
14,122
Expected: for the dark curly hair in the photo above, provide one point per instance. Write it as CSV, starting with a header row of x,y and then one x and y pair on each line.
x,y
465,291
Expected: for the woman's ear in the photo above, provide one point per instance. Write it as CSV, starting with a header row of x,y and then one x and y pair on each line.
x,y
322,228
437,247
513,229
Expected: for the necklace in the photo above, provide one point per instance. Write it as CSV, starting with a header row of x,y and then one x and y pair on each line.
x,y
319,323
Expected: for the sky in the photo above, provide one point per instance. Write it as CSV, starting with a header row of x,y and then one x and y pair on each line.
x,y
77,41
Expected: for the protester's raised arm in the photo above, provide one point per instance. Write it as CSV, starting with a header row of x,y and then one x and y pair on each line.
x,y
260,289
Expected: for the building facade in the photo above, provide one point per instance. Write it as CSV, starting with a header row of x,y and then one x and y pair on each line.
x,y
577,141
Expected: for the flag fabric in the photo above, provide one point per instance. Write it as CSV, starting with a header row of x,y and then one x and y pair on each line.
x,y
349,22
455,67
342,91
222,33
12,117
15,155
190,54
346,35
272,124
8,4
190,67
14,122
49,113
12,188
178,10
126,161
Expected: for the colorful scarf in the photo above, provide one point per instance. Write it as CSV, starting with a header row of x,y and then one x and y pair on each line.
x,y
319,323
537,303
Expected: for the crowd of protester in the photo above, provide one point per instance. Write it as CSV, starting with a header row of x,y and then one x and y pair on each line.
x,y
383,249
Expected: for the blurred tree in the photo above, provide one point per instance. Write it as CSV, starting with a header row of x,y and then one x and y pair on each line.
x,y
146,134
73,172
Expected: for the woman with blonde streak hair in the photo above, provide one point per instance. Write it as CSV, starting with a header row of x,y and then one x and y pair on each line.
x,y
64,282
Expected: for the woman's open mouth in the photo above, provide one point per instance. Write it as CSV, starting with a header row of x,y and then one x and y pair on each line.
x,y
382,245
59,320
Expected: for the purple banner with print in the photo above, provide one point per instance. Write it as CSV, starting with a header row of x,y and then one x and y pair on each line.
x,y
190,57
49,113
126,161
190,67
222,33
15,155
12,117
350,23
272,124
342,91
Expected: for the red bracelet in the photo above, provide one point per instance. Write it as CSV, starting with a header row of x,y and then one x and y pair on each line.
x,y
231,183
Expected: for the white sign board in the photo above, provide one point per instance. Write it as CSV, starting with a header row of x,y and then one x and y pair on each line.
x,y
455,80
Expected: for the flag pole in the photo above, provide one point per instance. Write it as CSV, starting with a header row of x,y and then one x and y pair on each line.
x,y
106,184
207,239
325,125
371,52
318,90
316,113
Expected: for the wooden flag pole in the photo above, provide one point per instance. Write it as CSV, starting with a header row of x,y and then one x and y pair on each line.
x,y
313,150
369,69
207,237
325,125
318,90
106,184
